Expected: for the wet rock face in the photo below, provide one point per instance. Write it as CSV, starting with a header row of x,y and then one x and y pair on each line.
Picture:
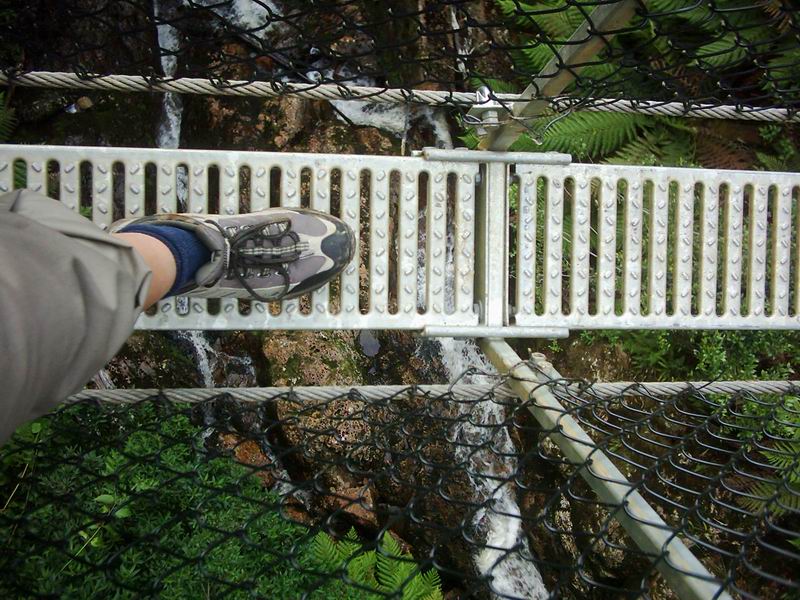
x,y
350,443
151,359
568,529
390,457
405,359
312,358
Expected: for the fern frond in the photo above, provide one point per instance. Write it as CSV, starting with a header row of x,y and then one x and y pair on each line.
x,y
591,134
361,569
721,53
432,579
784,455
694,14
780,498
348,546
390,545
534,58
551,17
389,572
325,553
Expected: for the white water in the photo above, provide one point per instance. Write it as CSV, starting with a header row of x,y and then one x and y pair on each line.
x,y
168,135
207,358
506,556
253,16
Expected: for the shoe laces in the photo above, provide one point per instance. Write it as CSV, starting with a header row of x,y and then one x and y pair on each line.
x,y
259,250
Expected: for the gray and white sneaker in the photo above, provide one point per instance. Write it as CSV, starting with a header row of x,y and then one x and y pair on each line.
x,y
273,254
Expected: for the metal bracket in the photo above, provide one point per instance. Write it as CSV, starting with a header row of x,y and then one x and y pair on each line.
x,y
462,155
485,114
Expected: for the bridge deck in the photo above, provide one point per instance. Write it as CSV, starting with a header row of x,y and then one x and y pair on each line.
x,y
579,246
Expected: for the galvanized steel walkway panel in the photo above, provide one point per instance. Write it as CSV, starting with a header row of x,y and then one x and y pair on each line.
x,y
589,246
404,208
627,247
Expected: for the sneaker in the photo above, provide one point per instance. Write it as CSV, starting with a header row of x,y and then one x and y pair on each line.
x,y
273,254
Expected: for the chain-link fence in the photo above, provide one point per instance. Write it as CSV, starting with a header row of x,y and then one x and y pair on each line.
x,y
723,52
406,492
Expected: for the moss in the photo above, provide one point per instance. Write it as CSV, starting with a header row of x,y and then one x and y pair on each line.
x,y
313,358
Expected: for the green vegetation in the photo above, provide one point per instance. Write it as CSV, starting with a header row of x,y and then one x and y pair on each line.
x,y
706,355
702,40
89,504
780,498
387,570
667,141
125,502
7,120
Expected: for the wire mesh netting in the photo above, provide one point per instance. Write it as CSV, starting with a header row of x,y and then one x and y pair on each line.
x,y
406,492
738,52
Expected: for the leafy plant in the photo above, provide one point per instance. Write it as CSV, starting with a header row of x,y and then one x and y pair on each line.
x,y
781,494
705,44
386,570
123,504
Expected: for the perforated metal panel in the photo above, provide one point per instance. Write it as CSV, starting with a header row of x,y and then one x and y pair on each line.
x,y
414,265
637,247
594,246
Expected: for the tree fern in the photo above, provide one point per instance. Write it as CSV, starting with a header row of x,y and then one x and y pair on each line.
x,y
659,144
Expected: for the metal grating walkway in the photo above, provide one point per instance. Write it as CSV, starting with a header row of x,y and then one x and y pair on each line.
x,y
653,248
471,243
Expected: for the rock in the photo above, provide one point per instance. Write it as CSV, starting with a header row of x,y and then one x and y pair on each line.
x,y
48,104
292,120
249,453
406,359
84,103
358,503
312,358
151,359
399,467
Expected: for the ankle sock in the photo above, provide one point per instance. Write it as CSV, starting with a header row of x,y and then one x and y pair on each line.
x,y
189,252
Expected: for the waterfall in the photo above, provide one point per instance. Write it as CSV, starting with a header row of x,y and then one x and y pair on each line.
x,y
168,136
506,557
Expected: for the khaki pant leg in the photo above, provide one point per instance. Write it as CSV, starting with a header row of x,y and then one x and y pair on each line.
x,y
69,296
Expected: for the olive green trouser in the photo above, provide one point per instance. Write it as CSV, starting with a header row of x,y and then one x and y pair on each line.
x,y
69,296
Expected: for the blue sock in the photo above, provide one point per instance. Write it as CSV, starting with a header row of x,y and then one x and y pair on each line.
x,y
189,252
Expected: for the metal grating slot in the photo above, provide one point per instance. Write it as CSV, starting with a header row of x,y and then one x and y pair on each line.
x,y
701,248
142,181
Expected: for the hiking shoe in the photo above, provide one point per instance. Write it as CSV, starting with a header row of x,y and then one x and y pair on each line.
x,y
273,254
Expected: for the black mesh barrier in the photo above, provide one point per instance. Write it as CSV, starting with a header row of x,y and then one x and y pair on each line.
x,y
743,53
411,492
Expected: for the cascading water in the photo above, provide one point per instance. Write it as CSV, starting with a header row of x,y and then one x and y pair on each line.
x,y
168,136
486,449
507,558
